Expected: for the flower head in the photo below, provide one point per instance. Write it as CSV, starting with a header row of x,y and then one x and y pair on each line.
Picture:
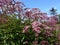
x,y
25,29
44,43
37,30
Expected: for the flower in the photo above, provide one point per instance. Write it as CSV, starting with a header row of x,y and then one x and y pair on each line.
x,y
48,33
56,43
25,29
44,42
35,42
28,13
36,24
37,29
26,42
49,28
59,37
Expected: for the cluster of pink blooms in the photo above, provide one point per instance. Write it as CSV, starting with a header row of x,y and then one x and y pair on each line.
x,y
34,14
40,20
25,29
36,26
11,6
44,43
52,21
47,24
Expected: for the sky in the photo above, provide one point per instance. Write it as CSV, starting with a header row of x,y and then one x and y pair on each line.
x,y
43,5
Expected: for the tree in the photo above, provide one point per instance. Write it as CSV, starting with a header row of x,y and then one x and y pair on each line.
x,y
53,11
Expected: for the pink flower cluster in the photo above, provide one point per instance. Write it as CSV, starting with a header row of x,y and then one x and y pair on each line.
x,y
44,43
25,29
11,6
36,26
52,21
47,33
34,14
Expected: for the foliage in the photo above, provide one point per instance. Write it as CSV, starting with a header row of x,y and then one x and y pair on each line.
x,y
33,28
14,32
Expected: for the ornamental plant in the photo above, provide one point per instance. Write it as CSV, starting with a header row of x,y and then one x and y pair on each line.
x,y
43,34
11,7
43,28
27,27
14,32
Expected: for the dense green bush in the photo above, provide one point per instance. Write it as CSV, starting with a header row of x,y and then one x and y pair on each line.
x,y
11,33
37,29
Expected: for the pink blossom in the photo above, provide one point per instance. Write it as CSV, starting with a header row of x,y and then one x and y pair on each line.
x,y
51,22
59,37
25,29
28,13
48,33
36,24
56,43
49,28
35,42
37,29
44,43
